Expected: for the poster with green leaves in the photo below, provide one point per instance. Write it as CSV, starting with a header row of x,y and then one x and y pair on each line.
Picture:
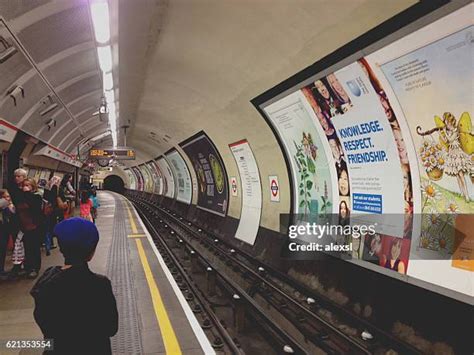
x,y
300,135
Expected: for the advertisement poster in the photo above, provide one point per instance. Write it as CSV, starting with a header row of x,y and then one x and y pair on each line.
x,y
159,181
251,192
312,174
131,179
146,178
167,177
183,178
139,177
150,186
370,159
154,177
431,86
213,189
426,74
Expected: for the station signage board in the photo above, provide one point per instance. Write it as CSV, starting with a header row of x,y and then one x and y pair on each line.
x,y
274,188
7,131
251,191
119,154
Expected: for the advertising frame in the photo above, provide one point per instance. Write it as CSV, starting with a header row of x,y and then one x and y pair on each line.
x,y
397,27
171,151
189,141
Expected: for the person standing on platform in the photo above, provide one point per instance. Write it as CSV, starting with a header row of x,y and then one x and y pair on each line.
x,y
51,192
30,216
95,204
75,307
7,228
15,187
69,194
86,206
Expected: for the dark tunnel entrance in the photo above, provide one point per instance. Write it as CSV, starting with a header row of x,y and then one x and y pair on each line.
x,y
114,183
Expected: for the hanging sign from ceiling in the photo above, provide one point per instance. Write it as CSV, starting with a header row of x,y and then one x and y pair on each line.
x,y
7,131
119,154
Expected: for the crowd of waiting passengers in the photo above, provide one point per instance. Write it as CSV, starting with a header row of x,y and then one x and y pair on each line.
x,y
75,308
28,216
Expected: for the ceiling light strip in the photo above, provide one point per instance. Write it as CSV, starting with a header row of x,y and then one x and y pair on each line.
x,y
101,22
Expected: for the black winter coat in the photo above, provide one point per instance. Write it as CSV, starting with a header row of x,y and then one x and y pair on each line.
x,y
77,309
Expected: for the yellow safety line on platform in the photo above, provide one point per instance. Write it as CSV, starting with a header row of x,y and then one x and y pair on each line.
x,y
169,337
137,235
132,221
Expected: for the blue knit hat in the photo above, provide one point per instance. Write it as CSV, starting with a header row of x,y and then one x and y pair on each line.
x,y
77,239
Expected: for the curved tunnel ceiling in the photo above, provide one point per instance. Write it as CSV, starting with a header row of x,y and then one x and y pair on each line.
x,y
212,57
57,38
184,65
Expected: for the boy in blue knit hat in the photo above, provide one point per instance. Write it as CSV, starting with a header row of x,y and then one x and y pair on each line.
x,y
75,307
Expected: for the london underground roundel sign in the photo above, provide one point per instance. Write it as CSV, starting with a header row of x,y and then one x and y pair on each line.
x,y
274,188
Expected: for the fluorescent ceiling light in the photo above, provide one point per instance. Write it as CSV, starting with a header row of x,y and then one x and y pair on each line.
x,y
112,109
109,96
108,81
100,19
112,121
114,139
105,58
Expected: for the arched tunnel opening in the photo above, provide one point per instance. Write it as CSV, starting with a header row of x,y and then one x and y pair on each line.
x,y
114,183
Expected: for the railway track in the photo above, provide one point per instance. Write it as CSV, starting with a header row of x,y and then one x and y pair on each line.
x,y
279,300
182,260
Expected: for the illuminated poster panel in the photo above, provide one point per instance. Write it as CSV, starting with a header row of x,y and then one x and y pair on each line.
x,y
398,123
168,177
251,192
429,74
135,177
308,155
213,190
160,187
367,146
145,177
183,178
151,182
156,178
140,184
131,179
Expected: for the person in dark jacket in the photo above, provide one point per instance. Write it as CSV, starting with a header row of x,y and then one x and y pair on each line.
x,y
7,228
30,216
75,307
50,195
15,186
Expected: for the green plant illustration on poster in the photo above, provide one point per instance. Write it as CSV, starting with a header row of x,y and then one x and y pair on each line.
x,y
305,158
326,205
